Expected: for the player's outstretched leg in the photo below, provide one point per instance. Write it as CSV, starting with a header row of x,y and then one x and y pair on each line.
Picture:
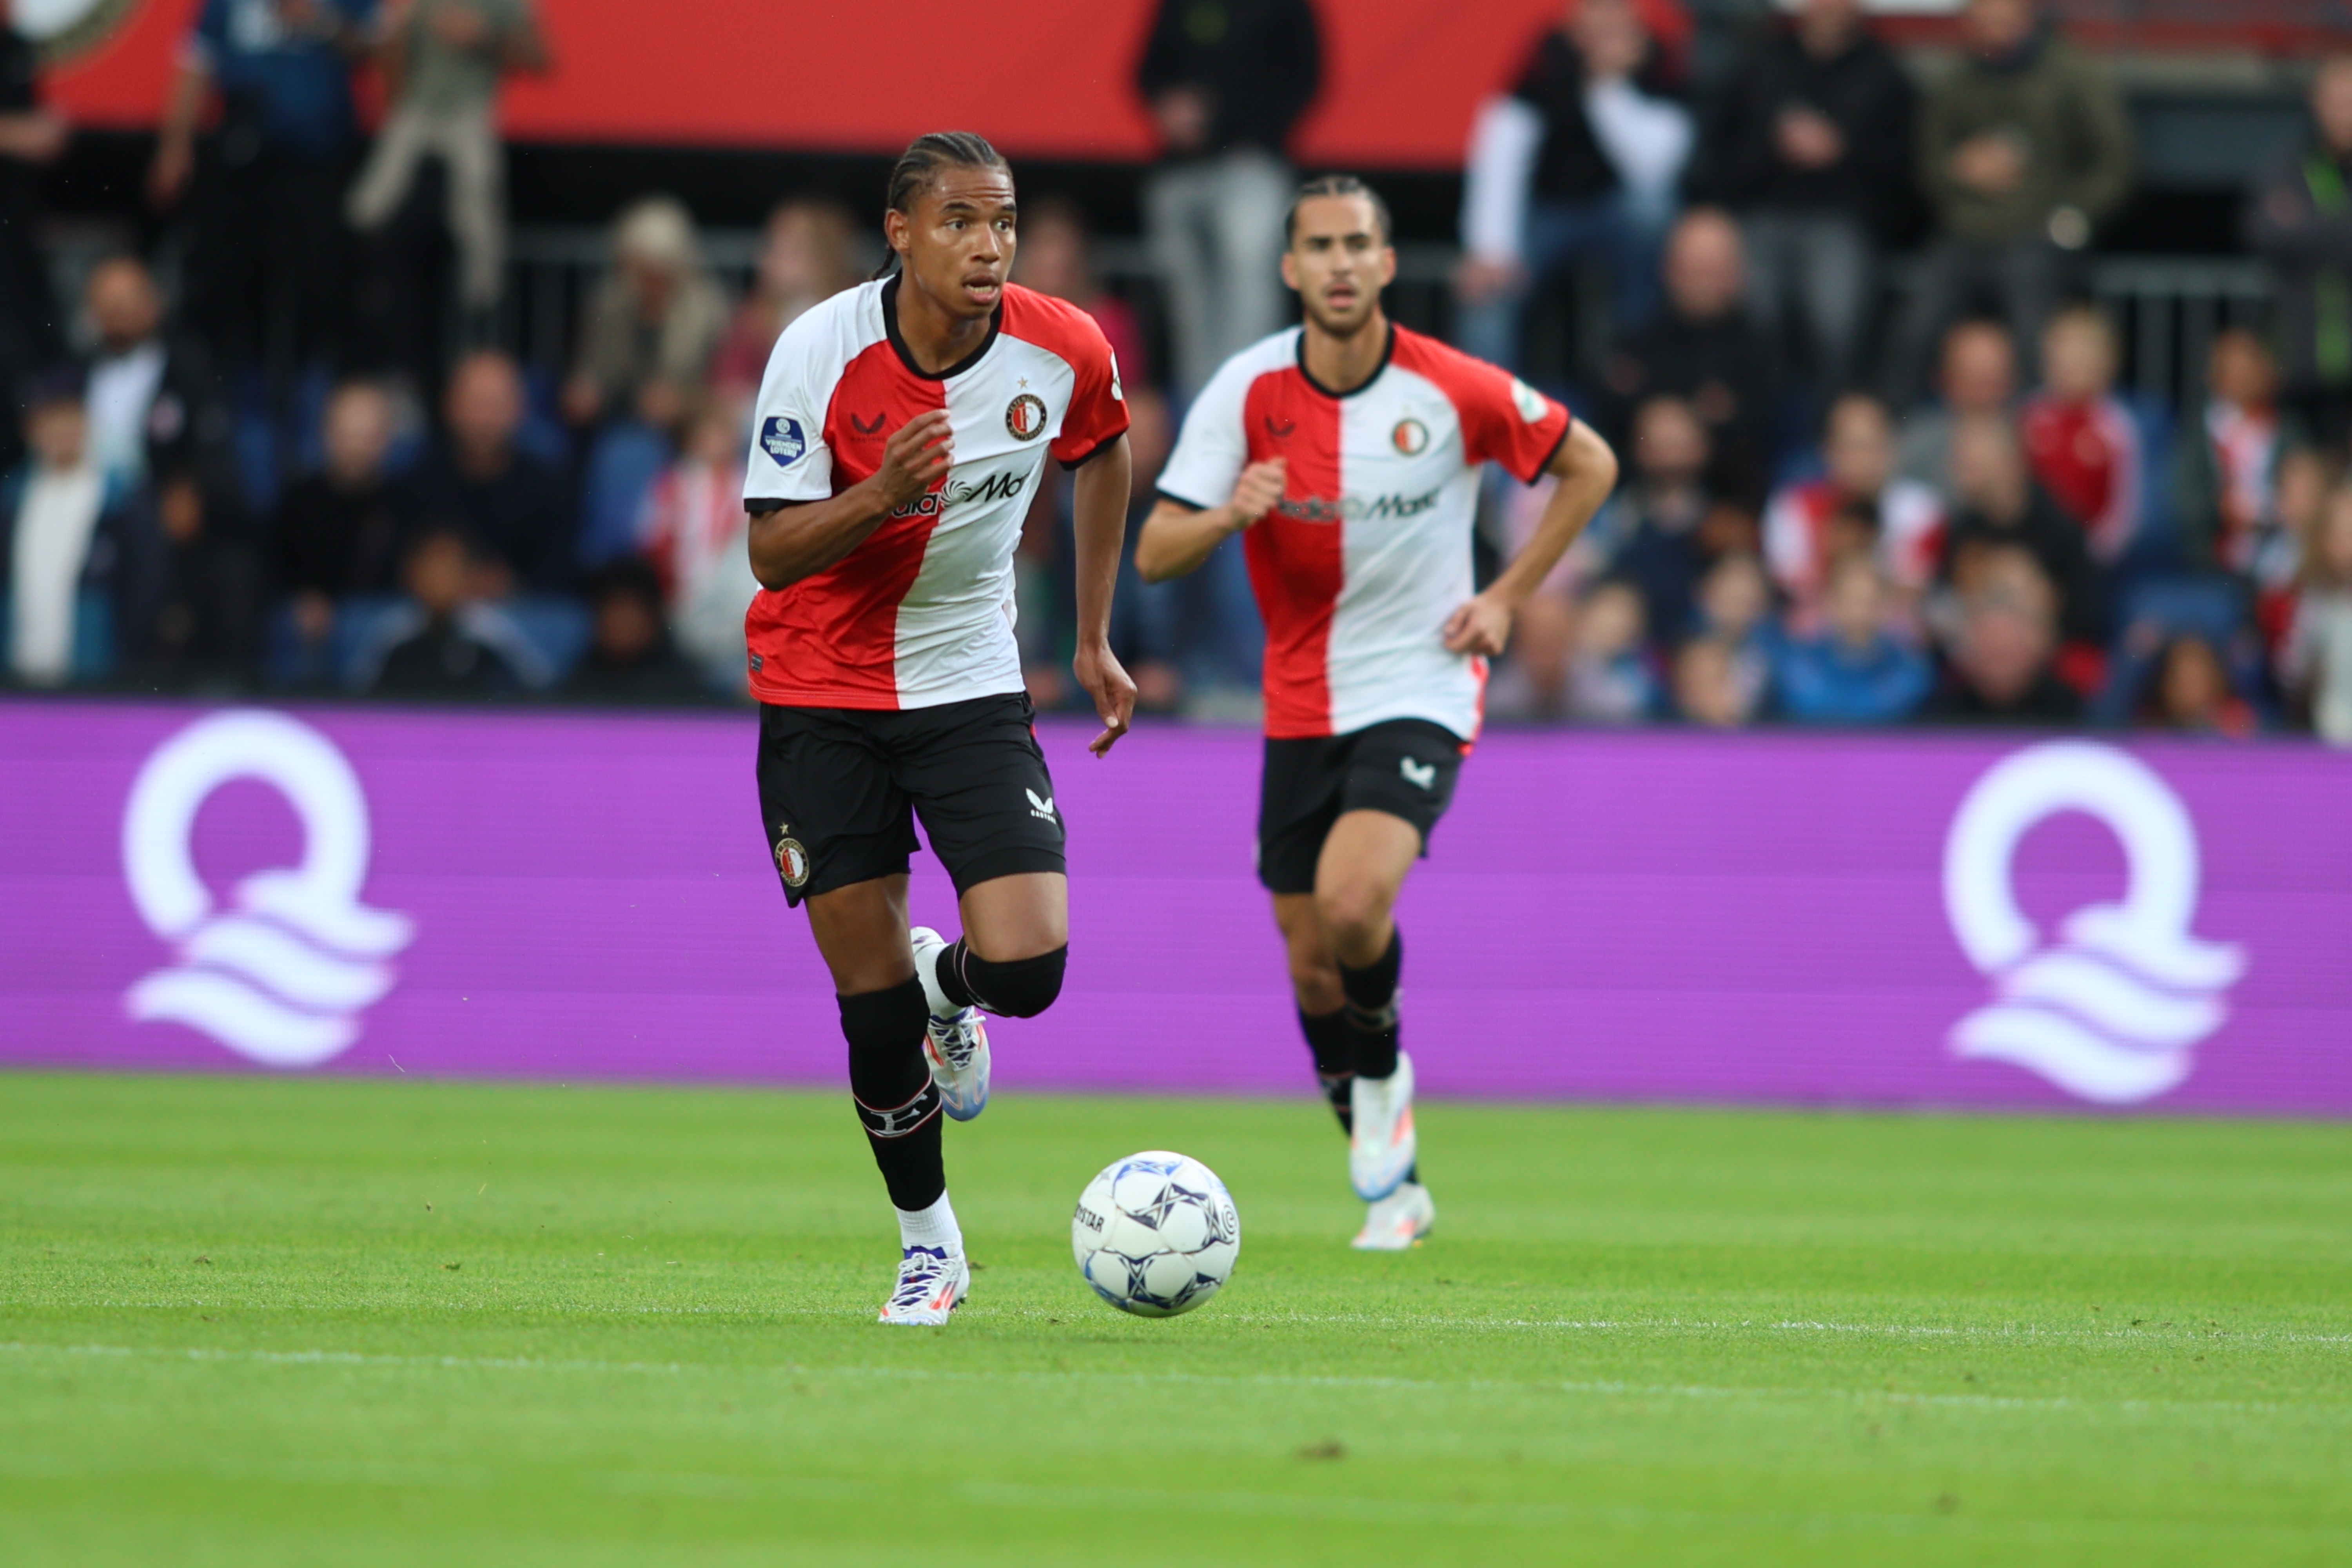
x,y
899,1106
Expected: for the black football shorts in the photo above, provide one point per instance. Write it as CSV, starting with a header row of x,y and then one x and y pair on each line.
x,y
1406,767
840,788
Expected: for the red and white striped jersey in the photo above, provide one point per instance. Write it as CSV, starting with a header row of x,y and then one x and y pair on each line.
x,y
1369,551
921,612
1796,531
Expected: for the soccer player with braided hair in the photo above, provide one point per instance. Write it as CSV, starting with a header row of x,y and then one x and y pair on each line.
x,y
900,432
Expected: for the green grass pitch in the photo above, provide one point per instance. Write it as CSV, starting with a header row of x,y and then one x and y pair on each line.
x,y
248,1321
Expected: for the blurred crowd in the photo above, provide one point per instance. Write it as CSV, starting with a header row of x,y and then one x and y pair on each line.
x,y
295,458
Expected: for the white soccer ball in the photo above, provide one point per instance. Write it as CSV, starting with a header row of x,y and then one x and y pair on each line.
x,y
1156,1234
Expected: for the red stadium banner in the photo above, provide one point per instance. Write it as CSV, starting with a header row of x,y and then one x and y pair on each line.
x,y
1045,78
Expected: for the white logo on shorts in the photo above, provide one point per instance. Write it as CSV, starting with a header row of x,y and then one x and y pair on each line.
x,y
2110,1010
1424,775
282,978
1042,807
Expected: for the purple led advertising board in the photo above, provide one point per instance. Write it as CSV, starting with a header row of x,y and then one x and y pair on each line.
x,y
1928,919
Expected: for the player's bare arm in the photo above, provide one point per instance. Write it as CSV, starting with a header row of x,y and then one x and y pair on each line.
x,y
1098,510
1587,471
797,542
1176,538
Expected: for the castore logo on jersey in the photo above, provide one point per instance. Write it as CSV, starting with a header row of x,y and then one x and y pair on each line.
x,y
283,975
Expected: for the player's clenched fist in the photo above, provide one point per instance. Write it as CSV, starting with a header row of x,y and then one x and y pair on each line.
x,y
915,459
1259,489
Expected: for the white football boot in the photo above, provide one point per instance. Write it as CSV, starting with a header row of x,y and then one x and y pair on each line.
x,y
955,1041
1381,1149
1397,1221
931,1284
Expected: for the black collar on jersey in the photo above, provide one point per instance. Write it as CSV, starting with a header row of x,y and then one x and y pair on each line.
x,y
1388,347
907,358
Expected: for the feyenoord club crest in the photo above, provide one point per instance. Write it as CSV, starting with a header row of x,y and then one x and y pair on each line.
x,y
1025,416
1410,437
792,857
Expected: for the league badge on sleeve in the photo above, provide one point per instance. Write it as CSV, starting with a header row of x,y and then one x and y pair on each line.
x,y
780,438
1528,402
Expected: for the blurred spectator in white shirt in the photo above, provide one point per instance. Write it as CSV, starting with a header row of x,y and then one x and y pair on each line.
x,y
1580,161
54,533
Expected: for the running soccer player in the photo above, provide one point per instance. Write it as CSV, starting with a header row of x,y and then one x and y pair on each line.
x,y
899,434
1347,452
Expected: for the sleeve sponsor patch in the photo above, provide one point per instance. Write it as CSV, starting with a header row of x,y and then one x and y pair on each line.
x,y
1528,402
780,438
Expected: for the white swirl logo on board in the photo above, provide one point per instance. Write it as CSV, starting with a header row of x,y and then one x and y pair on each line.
x,y
283,975
2112,1006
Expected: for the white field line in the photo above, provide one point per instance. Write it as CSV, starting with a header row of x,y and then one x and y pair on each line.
x,y
1601,1388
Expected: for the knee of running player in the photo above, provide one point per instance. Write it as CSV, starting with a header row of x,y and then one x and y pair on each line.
x,y
1314,978
1355,914
1016,987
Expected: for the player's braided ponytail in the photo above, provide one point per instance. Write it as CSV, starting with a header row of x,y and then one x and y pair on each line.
x,y
924,156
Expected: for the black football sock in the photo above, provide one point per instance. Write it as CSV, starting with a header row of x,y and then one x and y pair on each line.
x,y
1371,1011
1016,988
1334,1045
896,1097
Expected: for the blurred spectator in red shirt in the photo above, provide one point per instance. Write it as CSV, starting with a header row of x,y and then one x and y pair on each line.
x,y
2225,465
1577,161
1858,451
696,537
1811,145
807,254
2082,442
